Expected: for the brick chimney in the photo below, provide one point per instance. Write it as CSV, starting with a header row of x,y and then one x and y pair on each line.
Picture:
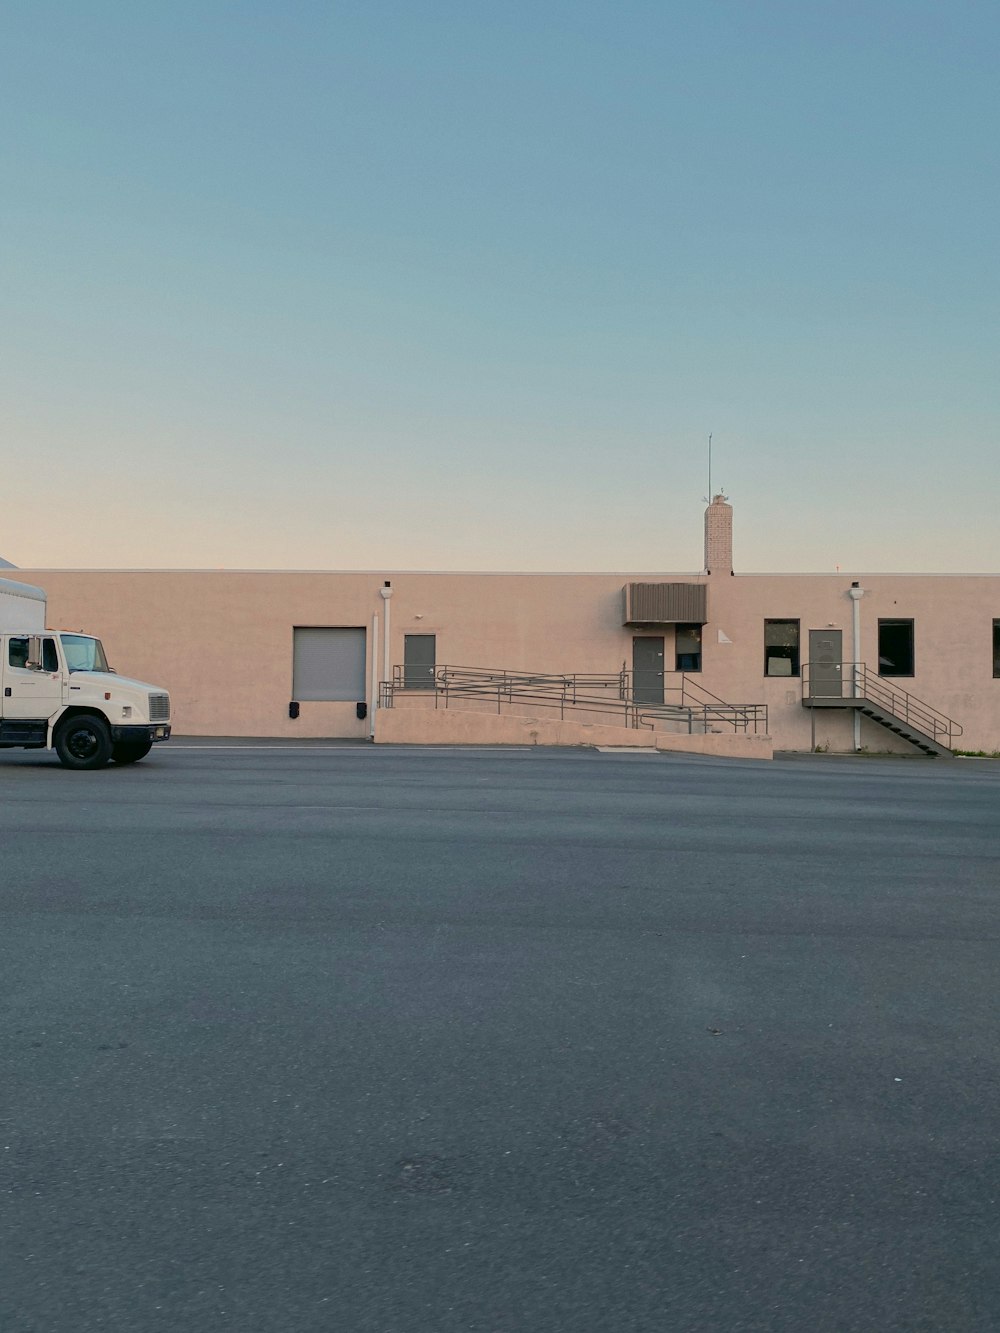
x,y
719,536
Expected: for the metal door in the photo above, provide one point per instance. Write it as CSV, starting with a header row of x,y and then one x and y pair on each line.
x,y
647,670
826,663
419,660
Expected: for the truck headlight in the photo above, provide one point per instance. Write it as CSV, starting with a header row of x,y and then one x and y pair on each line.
x,y
126,710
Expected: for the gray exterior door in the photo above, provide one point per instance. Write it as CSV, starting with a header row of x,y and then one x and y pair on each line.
x,y
647,670
826,663
419,660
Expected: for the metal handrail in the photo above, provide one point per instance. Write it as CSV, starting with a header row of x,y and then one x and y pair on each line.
x,y
690,691
858,681
447,690
741,717
457,676
687,687
585,691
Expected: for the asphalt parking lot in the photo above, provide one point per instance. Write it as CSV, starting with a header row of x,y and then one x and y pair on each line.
x,y
305,1038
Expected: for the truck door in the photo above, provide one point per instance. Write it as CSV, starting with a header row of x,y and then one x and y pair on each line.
x,y
30,694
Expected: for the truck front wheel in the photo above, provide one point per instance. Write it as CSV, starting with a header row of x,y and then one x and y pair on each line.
x,y
83,742
129,752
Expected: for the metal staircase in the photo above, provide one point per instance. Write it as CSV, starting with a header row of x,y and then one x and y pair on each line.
x,y
852,685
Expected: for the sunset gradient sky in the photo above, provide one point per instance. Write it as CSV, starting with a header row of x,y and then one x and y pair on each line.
x,y
455,285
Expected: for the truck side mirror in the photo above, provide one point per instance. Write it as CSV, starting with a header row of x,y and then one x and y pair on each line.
x,y
34,662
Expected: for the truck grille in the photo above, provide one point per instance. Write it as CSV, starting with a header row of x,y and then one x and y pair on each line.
x,y
159,708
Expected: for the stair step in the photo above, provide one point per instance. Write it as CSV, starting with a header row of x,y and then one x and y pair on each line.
x,y
930,746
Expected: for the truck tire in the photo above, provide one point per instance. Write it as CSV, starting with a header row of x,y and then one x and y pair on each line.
x,y
130,752
83,741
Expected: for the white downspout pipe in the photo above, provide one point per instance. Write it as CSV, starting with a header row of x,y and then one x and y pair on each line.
x,y
386,592
374,693
856,592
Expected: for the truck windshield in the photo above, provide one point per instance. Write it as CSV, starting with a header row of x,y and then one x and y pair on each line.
x,y
83,653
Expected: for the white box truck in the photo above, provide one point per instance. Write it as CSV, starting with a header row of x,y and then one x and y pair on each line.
x,y
58,692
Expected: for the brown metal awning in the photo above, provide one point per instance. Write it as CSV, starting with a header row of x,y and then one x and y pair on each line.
x,y
665,604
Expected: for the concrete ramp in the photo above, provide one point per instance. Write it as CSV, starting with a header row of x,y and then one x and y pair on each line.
x,y
440,726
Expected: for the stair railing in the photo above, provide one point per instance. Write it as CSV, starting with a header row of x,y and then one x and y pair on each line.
x,y
858,681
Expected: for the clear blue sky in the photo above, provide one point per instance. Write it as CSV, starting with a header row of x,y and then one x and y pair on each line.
x,y
455,285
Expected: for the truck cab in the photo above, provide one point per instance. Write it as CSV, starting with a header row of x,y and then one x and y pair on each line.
x,y
58,692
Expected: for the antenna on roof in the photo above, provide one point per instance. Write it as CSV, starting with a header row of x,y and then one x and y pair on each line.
x,y
710,497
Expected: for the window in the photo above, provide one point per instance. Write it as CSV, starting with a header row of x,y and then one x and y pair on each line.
x,y
895,647
996,649
781,647
17,654
83,653
687,648
419,659
328,664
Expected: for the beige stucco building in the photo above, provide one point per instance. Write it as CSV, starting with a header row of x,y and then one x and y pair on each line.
x,y
236,649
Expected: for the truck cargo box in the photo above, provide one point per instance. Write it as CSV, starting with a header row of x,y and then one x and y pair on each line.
x,y
22,608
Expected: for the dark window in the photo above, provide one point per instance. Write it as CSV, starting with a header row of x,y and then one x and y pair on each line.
x,y
687,648
781,647
996,648
17,654
419,661
895,647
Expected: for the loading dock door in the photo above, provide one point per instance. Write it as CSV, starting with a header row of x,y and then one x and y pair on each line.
x,y
647,669
826,663
328,663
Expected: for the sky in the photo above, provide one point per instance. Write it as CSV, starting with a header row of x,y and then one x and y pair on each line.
x,y
449,285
